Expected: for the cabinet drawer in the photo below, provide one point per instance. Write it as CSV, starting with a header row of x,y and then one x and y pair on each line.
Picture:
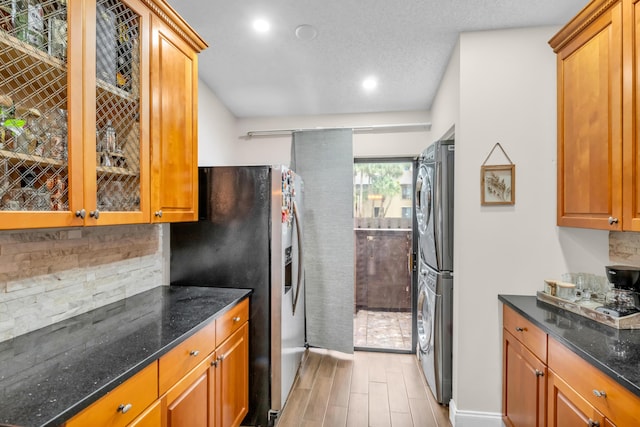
x,y
229,322
615,402
175,364
525,332
120,406
152,417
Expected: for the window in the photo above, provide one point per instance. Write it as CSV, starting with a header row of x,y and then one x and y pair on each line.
x,y
407,191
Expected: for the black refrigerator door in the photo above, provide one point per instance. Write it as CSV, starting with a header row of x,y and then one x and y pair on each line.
x,y
230,247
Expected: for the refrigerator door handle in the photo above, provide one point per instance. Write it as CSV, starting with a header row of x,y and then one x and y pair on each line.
x,y
300,259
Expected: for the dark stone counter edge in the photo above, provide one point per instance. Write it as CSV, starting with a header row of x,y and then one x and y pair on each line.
x,y
78,407
598,364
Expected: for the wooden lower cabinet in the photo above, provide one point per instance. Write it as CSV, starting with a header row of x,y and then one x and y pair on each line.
x,y
568,409
546,384
121,406
524,385
188,401
202,382
151,417
216,392
232,378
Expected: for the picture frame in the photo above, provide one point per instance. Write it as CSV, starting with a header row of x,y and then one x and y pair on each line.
x,y
498,184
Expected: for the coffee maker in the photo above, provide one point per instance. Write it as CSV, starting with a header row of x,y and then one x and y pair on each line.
x,y
624,297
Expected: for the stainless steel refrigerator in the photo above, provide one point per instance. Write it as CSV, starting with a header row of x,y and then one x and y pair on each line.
x,y
249,235
434,218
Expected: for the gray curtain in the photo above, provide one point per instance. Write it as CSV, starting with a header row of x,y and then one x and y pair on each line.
x,y
324,160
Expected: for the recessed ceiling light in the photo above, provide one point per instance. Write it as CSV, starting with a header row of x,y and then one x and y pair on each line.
x,y
306,32
261,25
370,83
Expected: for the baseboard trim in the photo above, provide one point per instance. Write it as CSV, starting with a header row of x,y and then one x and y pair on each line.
x,y
460,418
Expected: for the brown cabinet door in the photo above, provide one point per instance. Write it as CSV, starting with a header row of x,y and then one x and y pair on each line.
x,y
116,136
190,408
590,125
232,379
567,408
631,196
151,417
41,136
174,172
524,385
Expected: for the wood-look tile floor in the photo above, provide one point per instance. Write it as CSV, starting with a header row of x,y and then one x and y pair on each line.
x,y
366,389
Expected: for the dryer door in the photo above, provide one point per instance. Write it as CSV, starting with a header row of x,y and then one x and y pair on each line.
x,y
425,213
426,310
423,199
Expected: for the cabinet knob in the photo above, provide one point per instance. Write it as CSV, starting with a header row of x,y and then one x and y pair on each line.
x,y
539,373
214,363
594,423
158,213
194,353
599,393
519,329
81,213
613,220
124,408
95,214
236,319
220,358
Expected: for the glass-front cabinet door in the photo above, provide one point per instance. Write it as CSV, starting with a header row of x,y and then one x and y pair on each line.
x,y
121,149
34,114
73,113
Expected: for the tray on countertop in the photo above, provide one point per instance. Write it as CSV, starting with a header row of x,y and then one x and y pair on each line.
x,y
587,309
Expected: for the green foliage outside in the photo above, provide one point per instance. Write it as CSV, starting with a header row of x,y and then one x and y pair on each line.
x,y
383,185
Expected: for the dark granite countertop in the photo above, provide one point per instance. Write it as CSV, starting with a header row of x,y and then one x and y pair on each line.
x,y
616,352
51,374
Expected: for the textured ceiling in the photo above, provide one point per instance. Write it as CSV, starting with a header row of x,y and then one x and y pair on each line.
x,y
406,44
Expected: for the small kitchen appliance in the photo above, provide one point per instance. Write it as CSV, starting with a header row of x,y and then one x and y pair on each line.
x,y
623,298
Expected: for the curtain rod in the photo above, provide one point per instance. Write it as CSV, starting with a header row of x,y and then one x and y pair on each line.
x,y
402,127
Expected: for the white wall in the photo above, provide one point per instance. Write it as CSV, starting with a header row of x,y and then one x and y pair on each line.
x,y
276,149
445,110
216,129
507,95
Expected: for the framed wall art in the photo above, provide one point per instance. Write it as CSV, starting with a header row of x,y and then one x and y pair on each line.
x,y
498,182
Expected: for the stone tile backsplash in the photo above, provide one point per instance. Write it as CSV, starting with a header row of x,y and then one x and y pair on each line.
x,y
53,274
624,248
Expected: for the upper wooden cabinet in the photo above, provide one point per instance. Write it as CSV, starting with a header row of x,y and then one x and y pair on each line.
x,y
174,130
597,61
590,125
98,106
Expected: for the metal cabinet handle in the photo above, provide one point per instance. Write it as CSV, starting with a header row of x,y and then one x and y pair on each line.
x,y
236,319
194,353
158,213
220,358
95,214
124,408
599,393
539,373
81,213
613,220
214,363
519,329
593,423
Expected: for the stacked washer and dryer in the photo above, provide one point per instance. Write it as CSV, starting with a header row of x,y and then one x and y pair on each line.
x,y
434,217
